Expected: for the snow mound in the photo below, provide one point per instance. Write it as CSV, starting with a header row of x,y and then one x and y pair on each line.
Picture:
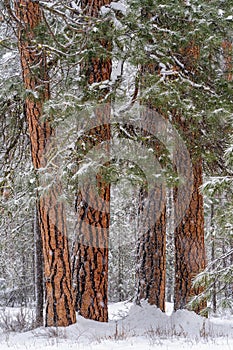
x,y
139,327
144,318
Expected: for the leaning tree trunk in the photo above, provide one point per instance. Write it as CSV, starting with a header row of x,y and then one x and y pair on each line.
x,y
59,299
90,252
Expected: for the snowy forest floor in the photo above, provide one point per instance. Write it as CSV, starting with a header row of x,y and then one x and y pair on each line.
x,y
130,327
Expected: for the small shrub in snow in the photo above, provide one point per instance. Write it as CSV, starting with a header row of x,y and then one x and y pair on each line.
x,y
20,321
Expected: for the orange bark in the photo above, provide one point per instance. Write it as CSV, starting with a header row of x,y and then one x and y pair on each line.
x,y
90,253
59,299
190,258
228,63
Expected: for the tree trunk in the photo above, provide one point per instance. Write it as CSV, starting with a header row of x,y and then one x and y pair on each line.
x,y
39,280
151,250
213,248
189,244
190,258
227,56
170,247
59,299
90,252
151,257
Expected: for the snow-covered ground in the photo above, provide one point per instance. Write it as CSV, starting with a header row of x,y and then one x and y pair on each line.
x,y
130,327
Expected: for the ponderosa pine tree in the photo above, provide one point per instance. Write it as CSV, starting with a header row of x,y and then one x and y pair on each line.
x,y
176,38
190,257
189,240
151,257
151,249
51,212
217,278
90,252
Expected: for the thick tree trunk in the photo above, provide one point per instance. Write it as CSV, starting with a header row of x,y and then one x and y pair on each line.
x,y
59,299
90,252
151,250
189,244
151,257
170,247
190,258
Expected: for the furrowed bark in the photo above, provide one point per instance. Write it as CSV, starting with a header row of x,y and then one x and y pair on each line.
x,y
227,55
92,7
90,252
59,299
39,271
151,256
151,249
190,258
189,245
